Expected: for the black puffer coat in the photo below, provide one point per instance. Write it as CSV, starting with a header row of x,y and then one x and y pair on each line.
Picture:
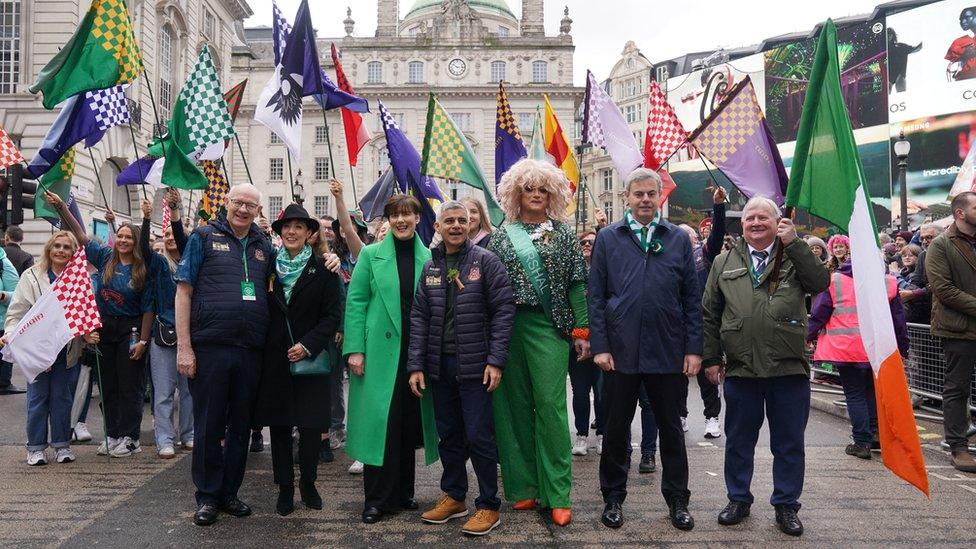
x,y
484,313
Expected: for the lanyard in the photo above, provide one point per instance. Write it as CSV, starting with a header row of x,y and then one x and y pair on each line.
x,y
244,257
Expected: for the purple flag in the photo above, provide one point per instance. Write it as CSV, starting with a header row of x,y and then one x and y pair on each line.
x,y
604,126
736,138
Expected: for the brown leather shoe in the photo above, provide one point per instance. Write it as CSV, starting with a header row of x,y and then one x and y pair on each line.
x,y
446,509
481,522
963,461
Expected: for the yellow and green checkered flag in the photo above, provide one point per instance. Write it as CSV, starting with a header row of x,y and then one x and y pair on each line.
x,y
58,181
448,155
102,53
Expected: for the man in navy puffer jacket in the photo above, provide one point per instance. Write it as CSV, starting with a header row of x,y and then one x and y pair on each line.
x,y
460,327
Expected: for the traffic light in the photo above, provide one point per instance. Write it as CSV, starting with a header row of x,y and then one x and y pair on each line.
x,y
20,191
4,191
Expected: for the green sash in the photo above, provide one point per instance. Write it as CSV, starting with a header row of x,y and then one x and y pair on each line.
x,y
532,263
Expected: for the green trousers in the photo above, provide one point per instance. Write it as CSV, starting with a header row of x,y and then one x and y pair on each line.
x,y
531,422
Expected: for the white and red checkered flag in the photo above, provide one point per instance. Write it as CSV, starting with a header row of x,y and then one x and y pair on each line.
x,y
664,133
64,311
167,215
9,153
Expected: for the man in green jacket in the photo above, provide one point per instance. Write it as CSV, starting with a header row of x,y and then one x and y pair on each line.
x,y
755,315
951,267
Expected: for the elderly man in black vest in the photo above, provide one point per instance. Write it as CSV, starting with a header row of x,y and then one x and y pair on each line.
x,y
221,323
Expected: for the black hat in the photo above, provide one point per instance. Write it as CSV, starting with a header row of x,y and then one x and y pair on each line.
x,y
294,211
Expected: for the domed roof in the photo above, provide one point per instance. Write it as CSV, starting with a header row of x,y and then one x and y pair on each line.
x,y
498,6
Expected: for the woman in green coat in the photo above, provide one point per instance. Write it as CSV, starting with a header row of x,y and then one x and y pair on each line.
x,y
385,421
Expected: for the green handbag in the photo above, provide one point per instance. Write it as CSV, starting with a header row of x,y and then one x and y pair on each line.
x,y
319,365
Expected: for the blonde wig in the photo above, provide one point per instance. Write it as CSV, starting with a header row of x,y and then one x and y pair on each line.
x,y
537,172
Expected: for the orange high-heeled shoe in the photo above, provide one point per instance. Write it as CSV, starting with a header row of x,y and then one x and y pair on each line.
x,y
562,517
524,505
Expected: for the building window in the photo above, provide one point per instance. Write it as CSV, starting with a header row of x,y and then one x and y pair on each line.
x,y
540,72
274,139
497,71
275,205
414,31
166,70
463,120
608,209
383,162
374,72
321,133
209,24
632,87
608,87
321,168
503,32
321,206
9,46
415,72
630,111
607,181
276,169
526,122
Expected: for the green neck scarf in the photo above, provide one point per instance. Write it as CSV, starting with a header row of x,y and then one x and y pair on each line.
x,y
289,269
642,232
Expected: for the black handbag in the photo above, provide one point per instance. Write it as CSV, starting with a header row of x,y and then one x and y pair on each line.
x,y
164,336
318,365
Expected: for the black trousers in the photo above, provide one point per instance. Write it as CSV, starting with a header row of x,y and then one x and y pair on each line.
x,y
664,391
709,396
584,377
960,355
223,393
282,461
123,379
388,485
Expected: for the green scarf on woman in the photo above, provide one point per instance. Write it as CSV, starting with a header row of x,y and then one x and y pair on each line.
x,y
289,269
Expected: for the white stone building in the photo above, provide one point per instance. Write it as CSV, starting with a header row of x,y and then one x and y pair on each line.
x,y
458,49
170,34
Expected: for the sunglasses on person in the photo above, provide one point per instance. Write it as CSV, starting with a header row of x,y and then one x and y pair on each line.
x,y
587,242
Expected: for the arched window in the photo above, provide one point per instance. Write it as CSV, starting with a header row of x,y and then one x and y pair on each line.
x,y
497,71
10,46
415,72
540,72
166,70
118,195
374,72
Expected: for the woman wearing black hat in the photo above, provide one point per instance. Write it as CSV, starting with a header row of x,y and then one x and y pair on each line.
x,y
304,317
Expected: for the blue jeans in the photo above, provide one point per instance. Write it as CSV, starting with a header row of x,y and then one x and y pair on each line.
x,y
585,377
858,382
49,398
166,383
648,442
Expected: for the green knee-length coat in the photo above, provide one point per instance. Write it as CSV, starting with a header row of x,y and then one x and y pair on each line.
x,y
373,328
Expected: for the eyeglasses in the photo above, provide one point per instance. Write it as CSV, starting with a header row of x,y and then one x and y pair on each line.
x,y
530,190
249,206
927,237
586,242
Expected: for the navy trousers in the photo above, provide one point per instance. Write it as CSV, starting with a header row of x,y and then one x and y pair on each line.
x,y
586,377
223,393
786,401
466,429
858,382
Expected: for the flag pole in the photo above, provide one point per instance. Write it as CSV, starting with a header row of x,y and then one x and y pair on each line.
x,y
135,149
101,397
226,173
99,181
152,101
328,143
777,263
243,159
291,179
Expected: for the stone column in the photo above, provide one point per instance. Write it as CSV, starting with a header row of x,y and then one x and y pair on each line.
x,y
533,18
387,17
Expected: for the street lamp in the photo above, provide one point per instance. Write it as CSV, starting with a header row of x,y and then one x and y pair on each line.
x,y
298,193
902,148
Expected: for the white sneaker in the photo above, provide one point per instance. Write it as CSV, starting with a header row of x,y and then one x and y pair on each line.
x,y
712,429
126,447
188,445
64,455
107,446
579,445
36,458
684,424
599,444
356,468
337,439
82,434
167,452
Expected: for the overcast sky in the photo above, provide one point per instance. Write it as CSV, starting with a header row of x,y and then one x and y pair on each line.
x,y
661,30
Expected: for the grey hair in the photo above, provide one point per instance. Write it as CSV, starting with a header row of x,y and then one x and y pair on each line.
x,y
762,202
937,228
642,174
451,205
245,187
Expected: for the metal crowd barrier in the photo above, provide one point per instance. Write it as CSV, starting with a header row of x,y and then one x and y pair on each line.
x,y
925,367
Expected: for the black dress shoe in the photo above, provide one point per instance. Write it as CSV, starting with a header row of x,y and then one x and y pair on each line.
x,y
12,390
236,508
206,515
787,520
325,454
679,515
286,500
409,504
613,515
647,464
733,513
310,496
257,441
372,515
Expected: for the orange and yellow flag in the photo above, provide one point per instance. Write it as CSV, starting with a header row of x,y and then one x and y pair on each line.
x,y
560,148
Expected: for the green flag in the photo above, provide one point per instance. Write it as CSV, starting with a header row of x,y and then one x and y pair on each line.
x,y
537,147
102,53
826,173
58,181
448,155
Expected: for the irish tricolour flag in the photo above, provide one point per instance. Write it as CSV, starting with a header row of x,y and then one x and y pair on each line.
x,y
66,310
827,180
